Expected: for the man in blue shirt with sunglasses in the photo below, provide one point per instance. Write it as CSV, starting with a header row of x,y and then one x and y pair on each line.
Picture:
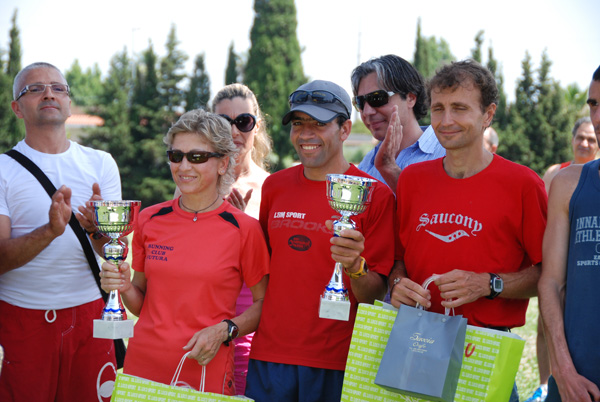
x,y
389,94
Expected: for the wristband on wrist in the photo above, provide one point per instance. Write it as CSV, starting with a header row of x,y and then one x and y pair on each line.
x,y
362,271
94,235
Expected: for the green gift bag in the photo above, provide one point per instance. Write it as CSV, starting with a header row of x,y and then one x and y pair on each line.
x,y
490,365
490,362
130,388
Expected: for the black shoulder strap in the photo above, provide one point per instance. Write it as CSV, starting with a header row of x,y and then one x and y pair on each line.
x,y
73,222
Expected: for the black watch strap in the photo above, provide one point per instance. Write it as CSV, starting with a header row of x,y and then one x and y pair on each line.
x,y
232,331
493,292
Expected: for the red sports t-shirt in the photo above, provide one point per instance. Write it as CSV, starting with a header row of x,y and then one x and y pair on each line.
x,y
493,221
194,273
293,214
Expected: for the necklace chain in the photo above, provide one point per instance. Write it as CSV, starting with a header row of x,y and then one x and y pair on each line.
x,y
200,210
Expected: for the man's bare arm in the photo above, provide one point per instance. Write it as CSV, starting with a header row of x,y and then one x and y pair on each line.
x,y
18,251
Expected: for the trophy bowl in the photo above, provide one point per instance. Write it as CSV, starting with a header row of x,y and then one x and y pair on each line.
x,y
348,195
114,219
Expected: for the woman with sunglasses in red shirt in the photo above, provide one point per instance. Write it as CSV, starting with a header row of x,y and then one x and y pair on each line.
x,y
237,104
191,256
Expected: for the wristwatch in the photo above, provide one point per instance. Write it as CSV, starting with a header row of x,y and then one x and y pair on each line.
x,y
232,331
496,286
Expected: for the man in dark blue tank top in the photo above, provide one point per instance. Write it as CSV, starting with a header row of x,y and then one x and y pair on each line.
x,y
568,288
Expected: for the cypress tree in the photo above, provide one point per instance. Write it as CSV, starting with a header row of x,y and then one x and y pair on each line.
x,y
232,71
274,69
150,179
13,128
501,116
172,73
198,94
476,51
86,86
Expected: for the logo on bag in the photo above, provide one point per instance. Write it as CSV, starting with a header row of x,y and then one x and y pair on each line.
x,y
469,349
420,343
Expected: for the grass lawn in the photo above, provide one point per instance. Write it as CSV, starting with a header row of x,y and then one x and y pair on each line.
x,y
528,376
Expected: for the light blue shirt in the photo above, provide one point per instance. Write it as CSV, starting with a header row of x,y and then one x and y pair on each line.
x,y
426,148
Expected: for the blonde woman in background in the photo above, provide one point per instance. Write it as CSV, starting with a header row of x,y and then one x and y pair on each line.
x,y
238,105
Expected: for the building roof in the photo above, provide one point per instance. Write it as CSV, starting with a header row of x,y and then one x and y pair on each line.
x,y
84,120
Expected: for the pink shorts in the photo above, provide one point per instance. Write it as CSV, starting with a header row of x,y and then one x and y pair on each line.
x,y
51,355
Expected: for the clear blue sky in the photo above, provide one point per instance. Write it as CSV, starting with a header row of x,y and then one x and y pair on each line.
x,y
335,34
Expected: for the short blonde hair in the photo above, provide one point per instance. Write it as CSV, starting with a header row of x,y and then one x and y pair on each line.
x,y
216,131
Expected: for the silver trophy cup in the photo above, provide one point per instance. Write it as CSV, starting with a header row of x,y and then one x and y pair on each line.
x,y
348,195
114,219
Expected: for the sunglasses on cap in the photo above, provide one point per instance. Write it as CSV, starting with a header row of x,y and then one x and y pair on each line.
x,y
192,156
316,97
374,99
245,122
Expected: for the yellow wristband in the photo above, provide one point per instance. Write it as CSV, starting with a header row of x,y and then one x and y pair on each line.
x,y
362,271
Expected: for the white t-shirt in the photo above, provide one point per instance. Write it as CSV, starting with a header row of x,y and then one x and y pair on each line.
x,y
60,276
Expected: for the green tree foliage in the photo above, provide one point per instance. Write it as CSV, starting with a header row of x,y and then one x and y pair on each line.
x,y
515,144
198,94
553,146
501,116
139,99
430,53
476,51
172,73
150,178
538,133
14,53
114,107
8,138
12,129
274,69
232,73
575,100
85,86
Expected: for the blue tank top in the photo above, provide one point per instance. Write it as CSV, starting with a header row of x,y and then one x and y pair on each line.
x,y
582,306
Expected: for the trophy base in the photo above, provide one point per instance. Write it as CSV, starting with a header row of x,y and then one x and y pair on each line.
x,y
334,309
113,329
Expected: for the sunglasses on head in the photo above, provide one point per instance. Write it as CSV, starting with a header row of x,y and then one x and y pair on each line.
x,y
316,97
192,156
245,122
374,99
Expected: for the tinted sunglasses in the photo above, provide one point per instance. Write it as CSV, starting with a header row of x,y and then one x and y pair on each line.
x,y
316,97
245,122
192,157
374,99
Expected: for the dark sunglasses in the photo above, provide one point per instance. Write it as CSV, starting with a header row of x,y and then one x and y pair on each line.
x,y
316,97
374,99
192,157
245,122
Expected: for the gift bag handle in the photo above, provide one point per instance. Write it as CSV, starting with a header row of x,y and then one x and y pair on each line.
x,y
425,284
178,371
